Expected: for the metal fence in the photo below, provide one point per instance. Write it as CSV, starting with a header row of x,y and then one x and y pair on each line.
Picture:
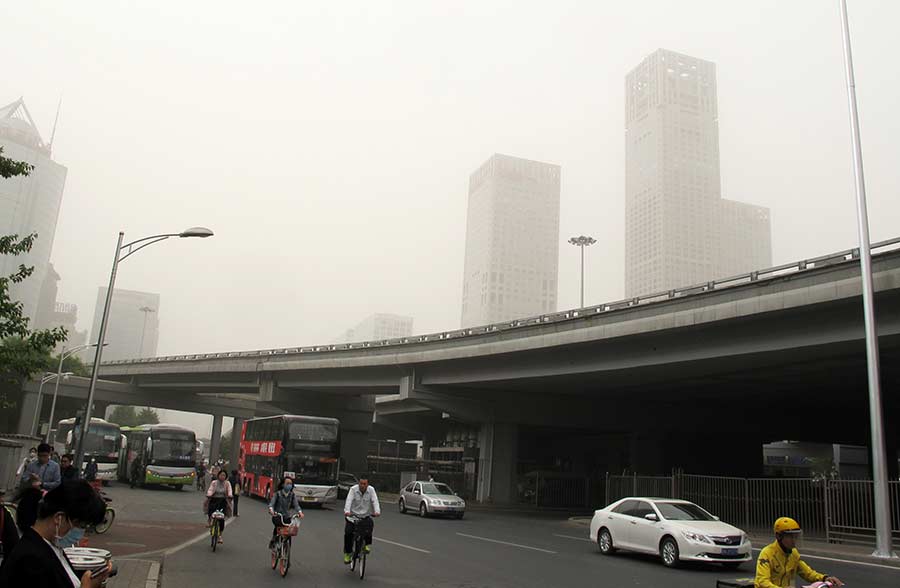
x,y
839,511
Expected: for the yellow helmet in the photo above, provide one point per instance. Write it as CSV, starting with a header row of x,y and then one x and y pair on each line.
x,y
786,525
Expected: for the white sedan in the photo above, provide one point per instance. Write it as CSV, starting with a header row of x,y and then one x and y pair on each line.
x,y
676,530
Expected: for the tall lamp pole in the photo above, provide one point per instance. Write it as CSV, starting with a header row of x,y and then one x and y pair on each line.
x,y
581,242
62,357
879,459
146,310
123,252
37,411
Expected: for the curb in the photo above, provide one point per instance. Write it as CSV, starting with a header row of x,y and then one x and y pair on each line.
x,y
153,576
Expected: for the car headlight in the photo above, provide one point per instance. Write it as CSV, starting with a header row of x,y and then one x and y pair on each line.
x,y
697,537
745,538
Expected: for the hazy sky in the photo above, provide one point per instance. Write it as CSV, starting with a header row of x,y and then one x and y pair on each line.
x,y
329,145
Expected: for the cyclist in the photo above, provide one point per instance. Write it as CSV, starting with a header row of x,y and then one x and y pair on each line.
x,y
362,501
218,497
283,504
780,561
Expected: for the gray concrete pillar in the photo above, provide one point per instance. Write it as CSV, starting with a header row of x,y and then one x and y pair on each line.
x,y
354,451
215,438
236,442
497,463
28,406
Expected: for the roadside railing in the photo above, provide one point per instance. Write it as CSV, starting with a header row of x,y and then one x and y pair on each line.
x,y
838,511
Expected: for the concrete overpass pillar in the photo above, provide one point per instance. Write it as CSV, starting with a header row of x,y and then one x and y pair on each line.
x,y
497,462
215,438
235,442
28,405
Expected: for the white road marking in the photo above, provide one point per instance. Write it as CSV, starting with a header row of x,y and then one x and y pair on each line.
x,y
847,561
506,543
571,537
401,545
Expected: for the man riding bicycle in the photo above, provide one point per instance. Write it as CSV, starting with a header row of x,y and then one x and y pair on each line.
x,y
780,561
361,503
282,507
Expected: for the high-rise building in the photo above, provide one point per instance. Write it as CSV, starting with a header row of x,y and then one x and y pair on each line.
x,y
679,230
133,328
51,313
512,241
28,203
380,326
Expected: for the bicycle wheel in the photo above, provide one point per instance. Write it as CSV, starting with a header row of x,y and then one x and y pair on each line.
x,y
362,565
108,518
285,558
214,534
276,552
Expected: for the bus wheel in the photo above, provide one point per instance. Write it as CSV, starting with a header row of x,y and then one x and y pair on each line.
x,y
268,493
178,487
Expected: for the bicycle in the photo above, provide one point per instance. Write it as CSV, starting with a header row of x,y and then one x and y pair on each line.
x,y
361,527
214,531
281,551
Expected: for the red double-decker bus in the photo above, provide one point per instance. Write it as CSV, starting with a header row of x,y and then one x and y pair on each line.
x,y
304,447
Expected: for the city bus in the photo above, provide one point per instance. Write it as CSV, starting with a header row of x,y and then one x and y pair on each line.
x,y
102,444
304,447
159,454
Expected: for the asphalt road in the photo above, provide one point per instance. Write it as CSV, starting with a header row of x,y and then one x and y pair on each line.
x,y
484,549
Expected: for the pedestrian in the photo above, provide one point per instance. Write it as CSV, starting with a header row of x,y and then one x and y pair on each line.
x,y
39,476
66,469
90,470
218,497
235,482
9,537
37,560
32,455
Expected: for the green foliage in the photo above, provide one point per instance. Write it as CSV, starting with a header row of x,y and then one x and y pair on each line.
x,y
22,351
225,448
124,416
148,416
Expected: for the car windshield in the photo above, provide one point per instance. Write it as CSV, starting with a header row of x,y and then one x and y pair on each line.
x,y
683,511
436,489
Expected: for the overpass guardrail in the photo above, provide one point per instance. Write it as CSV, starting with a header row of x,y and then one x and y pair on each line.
x,y
757,276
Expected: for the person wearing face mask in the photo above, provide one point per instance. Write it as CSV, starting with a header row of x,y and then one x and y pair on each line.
x,y
283,506
39,476
32,455
38,560
218,497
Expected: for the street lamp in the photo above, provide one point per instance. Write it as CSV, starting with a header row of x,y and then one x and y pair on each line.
x,y
37,411
146,310
128,249
879,459
582,242
62,357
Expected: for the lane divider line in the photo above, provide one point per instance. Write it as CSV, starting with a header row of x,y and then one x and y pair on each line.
x,y
506,543
571,537
401,545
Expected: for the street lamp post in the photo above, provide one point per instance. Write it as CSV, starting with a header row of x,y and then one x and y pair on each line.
x,y
581,242
37,411
62,357
128,249
146,310
879,459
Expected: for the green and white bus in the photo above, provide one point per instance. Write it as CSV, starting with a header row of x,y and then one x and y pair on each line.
x,y
159,454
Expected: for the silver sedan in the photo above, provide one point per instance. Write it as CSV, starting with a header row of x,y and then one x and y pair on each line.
x,y
431,498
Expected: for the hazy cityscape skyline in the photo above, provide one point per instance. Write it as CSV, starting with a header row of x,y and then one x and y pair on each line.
x,y
557,100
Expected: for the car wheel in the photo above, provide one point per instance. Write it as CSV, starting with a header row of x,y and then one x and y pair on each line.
x,y
460,515
402,506
423,510
605,542
668,551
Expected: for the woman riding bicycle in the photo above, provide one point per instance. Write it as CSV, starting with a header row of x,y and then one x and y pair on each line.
x,y
218,497
282,506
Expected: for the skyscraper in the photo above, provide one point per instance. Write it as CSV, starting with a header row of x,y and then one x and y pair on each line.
x,y
678,229
133,329
28,203
512,241
380,326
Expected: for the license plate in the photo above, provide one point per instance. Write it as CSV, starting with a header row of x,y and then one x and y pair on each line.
x,y
729,552
309,499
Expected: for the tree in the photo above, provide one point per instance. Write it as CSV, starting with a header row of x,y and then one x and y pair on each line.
x,y
225,447
148,416
124,416
21,350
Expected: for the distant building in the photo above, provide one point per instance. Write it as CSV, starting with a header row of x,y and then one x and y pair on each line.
x,y
51,314
380,326
133,329
512,241
28,203
679,231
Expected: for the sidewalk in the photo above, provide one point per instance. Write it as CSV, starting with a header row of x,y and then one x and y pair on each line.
x,y
849,552
135,573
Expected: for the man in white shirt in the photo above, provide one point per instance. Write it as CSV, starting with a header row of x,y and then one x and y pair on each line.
x,y
362,503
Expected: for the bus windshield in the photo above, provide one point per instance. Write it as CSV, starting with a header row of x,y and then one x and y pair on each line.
x,y
101,440
173,446
312,432
312,471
